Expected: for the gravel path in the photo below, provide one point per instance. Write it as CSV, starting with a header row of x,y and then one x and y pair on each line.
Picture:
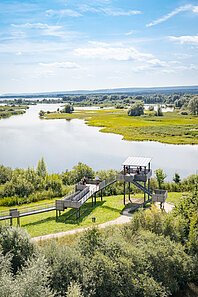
x,y
123,219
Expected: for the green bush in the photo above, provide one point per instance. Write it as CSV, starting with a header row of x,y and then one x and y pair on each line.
x,y
16,242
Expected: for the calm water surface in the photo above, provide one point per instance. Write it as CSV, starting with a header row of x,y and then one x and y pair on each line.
x,y
24,139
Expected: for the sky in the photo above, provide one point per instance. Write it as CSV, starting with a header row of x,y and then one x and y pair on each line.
x,y
60,45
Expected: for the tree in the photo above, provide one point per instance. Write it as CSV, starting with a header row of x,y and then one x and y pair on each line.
x,y
74,290
159,112
160,176
54,183
16,243
41,168
68,108
5,174
151,108
136,109
177,178
193,105
41,113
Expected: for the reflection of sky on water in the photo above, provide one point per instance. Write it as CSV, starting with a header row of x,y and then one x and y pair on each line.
x,y
25,139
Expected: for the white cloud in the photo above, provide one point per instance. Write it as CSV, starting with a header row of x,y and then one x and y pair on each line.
x,y
185,39
44,29
120,12
108,10
63,12
63,65
173,13
119,53
195,9
131,32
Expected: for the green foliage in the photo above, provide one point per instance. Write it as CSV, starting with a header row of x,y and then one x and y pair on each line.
x,y
177,178
66,266
41,113
54,183
90,242
193,105
77,173
74,290
159,112
31,281
41,168
16,242
160,176
136,109
5,174
68,108
18,186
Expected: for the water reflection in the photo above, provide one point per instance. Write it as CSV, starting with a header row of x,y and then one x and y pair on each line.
x,y
25,139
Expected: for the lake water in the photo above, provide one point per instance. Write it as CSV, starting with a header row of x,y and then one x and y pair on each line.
x,y
25,139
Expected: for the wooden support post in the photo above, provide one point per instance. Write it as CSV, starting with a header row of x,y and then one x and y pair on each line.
x,y
124,193
144,192
10,221
148,188
56,215
129,191
95,198
78,213
92,201
18,221
101,195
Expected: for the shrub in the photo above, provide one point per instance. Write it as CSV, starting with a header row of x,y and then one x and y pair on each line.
x,y
16,241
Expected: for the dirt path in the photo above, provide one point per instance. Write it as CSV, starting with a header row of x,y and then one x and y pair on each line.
x,y
123,219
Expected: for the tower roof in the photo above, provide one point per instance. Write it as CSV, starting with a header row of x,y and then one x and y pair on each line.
x,y
137,161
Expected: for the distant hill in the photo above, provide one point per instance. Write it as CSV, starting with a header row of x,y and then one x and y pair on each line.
x,y
130,91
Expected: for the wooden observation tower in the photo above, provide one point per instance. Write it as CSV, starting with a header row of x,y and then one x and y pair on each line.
x,y
137,170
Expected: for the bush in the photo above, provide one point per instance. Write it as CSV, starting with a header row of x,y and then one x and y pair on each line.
x,y
136,109
16,242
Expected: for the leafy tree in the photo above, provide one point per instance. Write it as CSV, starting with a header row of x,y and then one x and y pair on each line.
x,y
177,178
79,171
66,267
193,105
5,174
159,112
136,109
41,113
16,242
74,290
33,280
18,186
160,176
41,168
68,108
54,183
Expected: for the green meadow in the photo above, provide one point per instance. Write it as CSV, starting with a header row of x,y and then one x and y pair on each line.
x,y
171,128
108,209
8,111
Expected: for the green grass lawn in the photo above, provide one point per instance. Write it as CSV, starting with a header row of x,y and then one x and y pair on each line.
x,y
175,197
108,209
170,128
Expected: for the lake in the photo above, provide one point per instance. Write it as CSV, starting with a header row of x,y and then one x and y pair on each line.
x,y
24,139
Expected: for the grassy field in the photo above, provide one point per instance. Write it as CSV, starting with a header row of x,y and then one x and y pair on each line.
x,y
8,111
170,128
108,209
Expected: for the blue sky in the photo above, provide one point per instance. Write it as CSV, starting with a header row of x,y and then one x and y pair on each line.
x,y
61,45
